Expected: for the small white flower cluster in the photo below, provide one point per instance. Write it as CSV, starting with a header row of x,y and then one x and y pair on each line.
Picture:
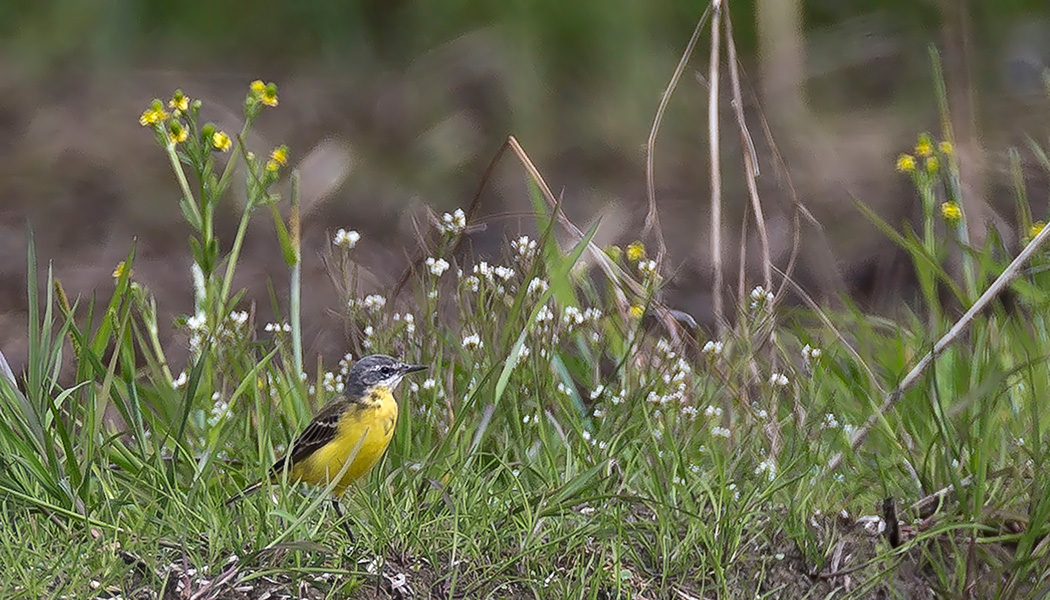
x,y
346,239
537,286
571,317
524,353
374,303
809,356
277,328
545,314
647,267
345,363
759,295
491,273
830,421
778,380
232,329
454,223
713,348
524,249
409,319
473,341
437,266
767,466
198,326
332,383
219,410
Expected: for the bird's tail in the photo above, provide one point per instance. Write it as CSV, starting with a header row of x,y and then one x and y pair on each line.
x,y
246,491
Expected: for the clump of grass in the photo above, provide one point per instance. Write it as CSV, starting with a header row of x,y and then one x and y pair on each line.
x,y
567,437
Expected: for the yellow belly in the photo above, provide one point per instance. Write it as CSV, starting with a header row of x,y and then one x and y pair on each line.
x,y
366,430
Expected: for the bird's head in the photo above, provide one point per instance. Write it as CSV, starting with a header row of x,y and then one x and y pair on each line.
x,y
377,371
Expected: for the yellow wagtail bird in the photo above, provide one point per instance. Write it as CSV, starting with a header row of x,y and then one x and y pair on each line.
x,y
357,424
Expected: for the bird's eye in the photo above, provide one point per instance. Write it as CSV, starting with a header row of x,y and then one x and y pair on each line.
x,y
386,371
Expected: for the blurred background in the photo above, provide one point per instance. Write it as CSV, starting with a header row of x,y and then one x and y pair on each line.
x,y
395,108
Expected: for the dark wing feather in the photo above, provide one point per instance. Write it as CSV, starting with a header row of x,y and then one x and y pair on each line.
x,y
319,432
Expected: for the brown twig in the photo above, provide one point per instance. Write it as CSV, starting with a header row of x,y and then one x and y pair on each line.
x,y
751,170
652,218
716,172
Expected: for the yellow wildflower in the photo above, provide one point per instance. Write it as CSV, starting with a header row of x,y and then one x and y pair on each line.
x,y
635,251
153,115
278,158
179,102
925,146
905,163
121,267
951,212
1035,229
946,148
220,141
177,132
636,311
266,93
932,164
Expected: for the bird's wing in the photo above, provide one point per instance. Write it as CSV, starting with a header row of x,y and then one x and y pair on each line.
x,y
319,432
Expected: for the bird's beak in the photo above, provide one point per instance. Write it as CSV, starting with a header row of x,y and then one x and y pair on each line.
x,y
413,368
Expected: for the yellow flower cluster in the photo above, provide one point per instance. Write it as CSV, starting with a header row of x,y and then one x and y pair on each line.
x,y
635,251
926,150
278,158
220,141
153,115
179,102
924,147
905,163
263,93
951,212
1035,229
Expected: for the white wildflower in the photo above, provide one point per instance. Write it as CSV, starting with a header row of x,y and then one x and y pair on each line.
x,y
374,302
778,379
437,266
346,239
767,466
454,223
473,341
713,348
524,247
545,314
537,285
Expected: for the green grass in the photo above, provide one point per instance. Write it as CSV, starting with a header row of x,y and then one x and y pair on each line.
x,y
564,443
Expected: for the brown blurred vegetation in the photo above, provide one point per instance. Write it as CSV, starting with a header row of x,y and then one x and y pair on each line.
x,y
394,109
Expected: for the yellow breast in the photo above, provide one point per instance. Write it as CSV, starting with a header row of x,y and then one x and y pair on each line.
x,y
363,433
